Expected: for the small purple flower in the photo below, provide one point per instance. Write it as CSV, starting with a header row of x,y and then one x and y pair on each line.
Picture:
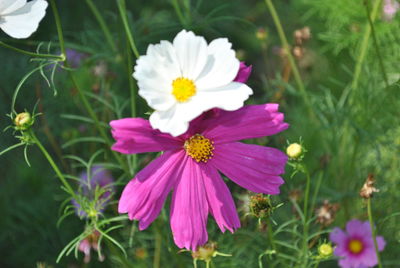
x,y
244,73
74,57
390,8
355,245
99,177
90,242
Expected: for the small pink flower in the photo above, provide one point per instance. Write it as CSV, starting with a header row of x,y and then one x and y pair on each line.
x,y
189,167
244,73
85,246
355,246
390,8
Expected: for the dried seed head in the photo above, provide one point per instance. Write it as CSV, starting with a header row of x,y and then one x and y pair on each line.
x,y
326,213
368,188
260,206
206,252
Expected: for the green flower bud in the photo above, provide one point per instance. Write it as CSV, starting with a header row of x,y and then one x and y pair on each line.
x,y
294,151
325,250
23,121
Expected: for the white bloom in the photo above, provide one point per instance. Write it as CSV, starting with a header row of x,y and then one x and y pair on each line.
x,y
181,80
20,19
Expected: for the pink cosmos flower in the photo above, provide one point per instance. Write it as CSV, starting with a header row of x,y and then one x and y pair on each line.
x,y
189,167
355,246
389,10
244,73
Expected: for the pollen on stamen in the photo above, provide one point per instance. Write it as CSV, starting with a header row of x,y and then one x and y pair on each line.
x,y
199,148
183,89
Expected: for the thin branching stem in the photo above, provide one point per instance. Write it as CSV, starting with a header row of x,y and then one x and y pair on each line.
x,y
373,230
375,41
289,55
53,165
122,12
102,23
82,95
32,54
364,45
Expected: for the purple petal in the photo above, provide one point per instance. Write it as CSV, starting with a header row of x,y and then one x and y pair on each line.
x,y
338,236
145,195
358,228
251,121
256,168
189,208
243,73
135,135
220,201
381,243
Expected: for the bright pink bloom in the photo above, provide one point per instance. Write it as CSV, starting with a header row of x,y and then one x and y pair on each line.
x,y
390,8
243,73
189,167
355,246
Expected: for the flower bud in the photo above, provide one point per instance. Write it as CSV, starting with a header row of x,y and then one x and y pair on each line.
x,y
206,252
23,121
294,151
325,250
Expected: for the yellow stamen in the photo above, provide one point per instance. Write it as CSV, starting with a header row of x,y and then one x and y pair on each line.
x,y
199,148
355,246
183,89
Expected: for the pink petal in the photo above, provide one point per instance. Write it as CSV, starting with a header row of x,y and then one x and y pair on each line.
x,y
338,236
189,209
220,200
358,228
135,135
256,168
251,121
145,195
244,73
381,243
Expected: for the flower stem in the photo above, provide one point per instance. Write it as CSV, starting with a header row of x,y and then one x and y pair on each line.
x,y
289,55
157,251
371,223
122,12
37,55
102,24
375,41
81,93
364,46
305,211
53,165
58,25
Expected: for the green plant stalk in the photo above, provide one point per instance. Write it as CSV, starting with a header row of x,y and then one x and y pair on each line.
x,y
178,12
82,96
305,209
371,223
157,250
375,41
53,165
292,62
102,23
122,12
316,190
133,98
364,46
59,28
37,55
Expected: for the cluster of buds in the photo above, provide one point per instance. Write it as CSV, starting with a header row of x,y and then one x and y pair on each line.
x,y
326,213
301,36
207,252
368,188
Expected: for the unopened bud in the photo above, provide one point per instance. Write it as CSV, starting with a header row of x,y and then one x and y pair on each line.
x,y
294,151
23,121
325,250
261,34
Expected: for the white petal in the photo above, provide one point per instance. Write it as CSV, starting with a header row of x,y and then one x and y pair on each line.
x,y
170,121
23,22
191,51
155,72
222,65
8,6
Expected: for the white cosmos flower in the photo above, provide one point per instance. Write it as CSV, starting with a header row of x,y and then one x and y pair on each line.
x,y
20,19
182,79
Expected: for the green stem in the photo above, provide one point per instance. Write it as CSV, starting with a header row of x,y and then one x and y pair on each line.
x,y
292,62
317,264
11,148
364,46
316,190
375,40
157,251
271,235
37,55
305,224
81,93
58,25
371,223
102,24
122,12
178,12
53,165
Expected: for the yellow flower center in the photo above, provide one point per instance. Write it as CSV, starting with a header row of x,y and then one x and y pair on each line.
x,y
183,89
199,148
355,246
